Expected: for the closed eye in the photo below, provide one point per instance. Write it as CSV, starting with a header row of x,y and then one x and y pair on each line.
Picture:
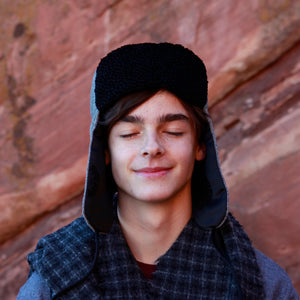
x,y
175,133
128,135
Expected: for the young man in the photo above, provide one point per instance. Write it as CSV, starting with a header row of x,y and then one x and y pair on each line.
x,y
155,221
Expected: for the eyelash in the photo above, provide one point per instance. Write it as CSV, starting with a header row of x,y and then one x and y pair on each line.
x,y
129,135
174,133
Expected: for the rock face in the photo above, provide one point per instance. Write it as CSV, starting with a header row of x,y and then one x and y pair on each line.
x,y
48,54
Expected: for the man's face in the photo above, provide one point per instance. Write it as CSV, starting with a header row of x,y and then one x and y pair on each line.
x,y
152,151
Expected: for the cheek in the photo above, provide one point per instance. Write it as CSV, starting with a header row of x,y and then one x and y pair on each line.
x,y
120,166
116,167
185,150
187,157
120,159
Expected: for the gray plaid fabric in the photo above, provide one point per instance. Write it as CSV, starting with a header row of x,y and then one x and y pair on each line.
x,y
243,259
191,269
63,257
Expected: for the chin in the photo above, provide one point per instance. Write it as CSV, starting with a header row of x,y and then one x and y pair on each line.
x,y
158,198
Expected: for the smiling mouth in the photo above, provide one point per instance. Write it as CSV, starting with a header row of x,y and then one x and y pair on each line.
x,y
152,172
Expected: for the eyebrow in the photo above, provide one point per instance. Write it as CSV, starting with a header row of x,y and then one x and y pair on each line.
x,y
162,119
173,117
132,119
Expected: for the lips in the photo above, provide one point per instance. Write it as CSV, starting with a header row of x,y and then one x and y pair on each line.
x,y
153,172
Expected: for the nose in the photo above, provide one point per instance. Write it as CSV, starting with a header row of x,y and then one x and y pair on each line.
x,y
152,146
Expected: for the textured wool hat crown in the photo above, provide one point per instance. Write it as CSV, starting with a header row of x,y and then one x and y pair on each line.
x,y
138,67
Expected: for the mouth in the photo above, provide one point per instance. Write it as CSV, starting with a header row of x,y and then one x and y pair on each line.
x,y
153,172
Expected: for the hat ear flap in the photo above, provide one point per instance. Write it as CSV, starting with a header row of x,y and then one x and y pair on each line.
x,y
210,191
99,187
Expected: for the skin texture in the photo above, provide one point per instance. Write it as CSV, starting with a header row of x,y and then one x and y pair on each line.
x,y
152,152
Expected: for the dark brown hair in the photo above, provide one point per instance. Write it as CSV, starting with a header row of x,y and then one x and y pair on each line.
x,y
128,103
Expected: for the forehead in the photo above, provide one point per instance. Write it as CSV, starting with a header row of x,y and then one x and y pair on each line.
x,y
162,103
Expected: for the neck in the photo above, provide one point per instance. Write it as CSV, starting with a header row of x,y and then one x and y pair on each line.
x,y
150,229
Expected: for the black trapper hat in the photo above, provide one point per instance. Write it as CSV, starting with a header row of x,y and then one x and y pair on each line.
x,y
139,67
